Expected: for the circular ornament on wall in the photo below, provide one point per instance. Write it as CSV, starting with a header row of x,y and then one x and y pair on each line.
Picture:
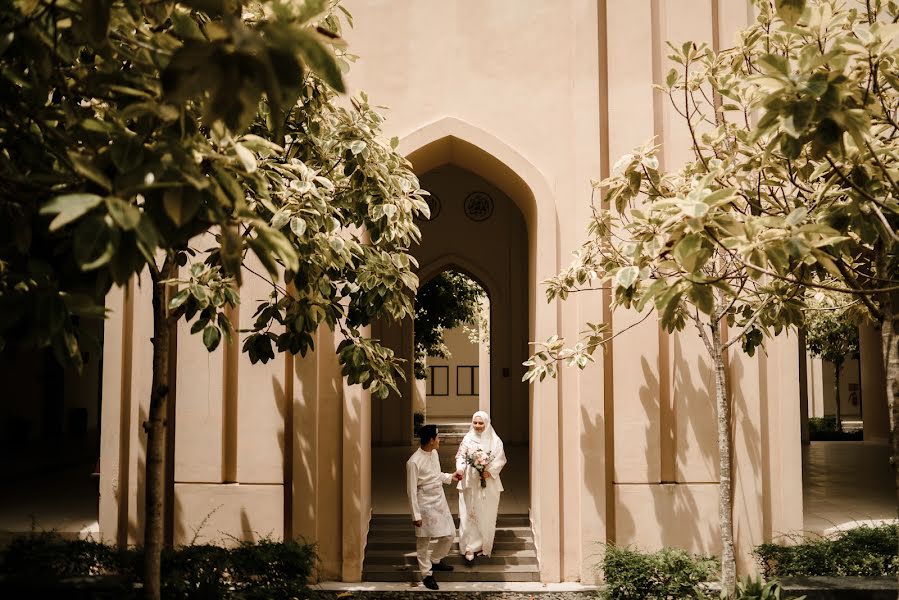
x,y
434,205
478,206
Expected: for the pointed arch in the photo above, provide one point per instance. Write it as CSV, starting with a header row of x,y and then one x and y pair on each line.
x,y
453,262
452,141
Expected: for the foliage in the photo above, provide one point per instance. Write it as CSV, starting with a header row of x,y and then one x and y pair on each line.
x,y
448,300
830,333
47,554
862,551
803,196
825,429
758,589
668,573
265,569
142,135
130,129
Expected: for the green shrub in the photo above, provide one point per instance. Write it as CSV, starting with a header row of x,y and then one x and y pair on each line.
x,y
662,575
824,429
758,589
863,551
266,569
275,570
47,554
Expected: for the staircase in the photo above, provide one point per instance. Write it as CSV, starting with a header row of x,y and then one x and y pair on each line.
x,y
390,553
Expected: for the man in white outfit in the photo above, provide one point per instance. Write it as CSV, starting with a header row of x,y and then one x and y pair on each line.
x,y
430,511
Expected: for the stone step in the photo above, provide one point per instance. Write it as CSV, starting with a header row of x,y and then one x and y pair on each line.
x,y
390,520
499,557
409,531
408,545
484,573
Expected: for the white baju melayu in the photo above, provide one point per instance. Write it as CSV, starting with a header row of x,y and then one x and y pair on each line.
x,y
424,485
478,505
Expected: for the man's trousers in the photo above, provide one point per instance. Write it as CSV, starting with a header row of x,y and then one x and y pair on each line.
x,y
426,558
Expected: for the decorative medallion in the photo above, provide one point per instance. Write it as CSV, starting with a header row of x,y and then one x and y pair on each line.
x,y
478,206
434,204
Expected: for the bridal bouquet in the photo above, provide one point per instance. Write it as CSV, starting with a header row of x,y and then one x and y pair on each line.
x,y
478,460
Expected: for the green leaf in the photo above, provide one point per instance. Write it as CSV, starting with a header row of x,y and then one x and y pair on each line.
x,y
95,16
671,78
357,146
127,153
125,214
626,277
702,297
319,58
179,206
246,157
94,243
211,337
69,207
272,242
687,251
179,299
84,167
774,64
790,10
298,226
185,26
796,216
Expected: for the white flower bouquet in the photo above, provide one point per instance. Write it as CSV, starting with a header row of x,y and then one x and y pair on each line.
x,y
478,460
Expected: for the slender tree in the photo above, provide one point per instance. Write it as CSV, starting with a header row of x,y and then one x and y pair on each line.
x,y
831,333
448,300
799,122
137,132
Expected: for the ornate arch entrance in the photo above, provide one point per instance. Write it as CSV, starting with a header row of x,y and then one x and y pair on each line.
x,y
461,165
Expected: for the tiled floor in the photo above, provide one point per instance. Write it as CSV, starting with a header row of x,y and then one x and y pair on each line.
x,y
847,484
64,500
388,479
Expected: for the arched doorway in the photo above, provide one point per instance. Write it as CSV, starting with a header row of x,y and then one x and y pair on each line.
x,y
388,424
452,350
477,230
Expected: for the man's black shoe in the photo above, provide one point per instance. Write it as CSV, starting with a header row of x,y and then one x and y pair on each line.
x,y
430,583
439,566
468,562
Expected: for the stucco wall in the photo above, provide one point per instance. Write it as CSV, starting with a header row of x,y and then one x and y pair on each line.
x,y
463,353
535,99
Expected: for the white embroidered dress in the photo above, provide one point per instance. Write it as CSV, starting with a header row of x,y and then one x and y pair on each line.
x,y
424,486
478,506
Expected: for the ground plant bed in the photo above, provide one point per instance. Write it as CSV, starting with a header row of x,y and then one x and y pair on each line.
x,y
46,565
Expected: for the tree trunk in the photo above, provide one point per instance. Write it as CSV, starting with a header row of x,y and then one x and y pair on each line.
x,y
725,490
837,367
155,428
888,331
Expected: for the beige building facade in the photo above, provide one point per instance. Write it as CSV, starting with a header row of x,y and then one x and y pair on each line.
x,y
524,102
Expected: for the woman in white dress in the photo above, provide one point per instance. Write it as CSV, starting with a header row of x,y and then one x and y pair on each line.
x,y
478,505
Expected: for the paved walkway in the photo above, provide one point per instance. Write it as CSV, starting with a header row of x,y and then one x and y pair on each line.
x,y
846,484
64,500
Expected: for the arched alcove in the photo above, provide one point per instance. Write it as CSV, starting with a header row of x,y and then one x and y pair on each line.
x,y
530,418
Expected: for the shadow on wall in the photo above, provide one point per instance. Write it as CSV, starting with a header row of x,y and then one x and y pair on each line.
x,y
136,517
752,452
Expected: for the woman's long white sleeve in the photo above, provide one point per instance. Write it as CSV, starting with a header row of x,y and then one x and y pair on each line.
x,y
499,459
412,489
460,456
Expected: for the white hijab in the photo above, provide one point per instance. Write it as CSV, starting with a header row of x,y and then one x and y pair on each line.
x,y
487,439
